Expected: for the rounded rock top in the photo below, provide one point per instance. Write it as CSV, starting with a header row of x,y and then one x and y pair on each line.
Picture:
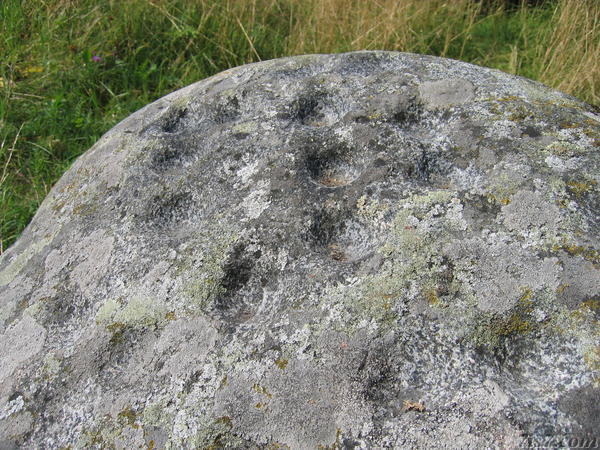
x,y
371,249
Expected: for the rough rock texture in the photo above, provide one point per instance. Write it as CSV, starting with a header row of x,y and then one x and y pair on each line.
x,y
355,250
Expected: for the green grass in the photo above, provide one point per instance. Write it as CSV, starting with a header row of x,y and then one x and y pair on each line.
x,y
56,100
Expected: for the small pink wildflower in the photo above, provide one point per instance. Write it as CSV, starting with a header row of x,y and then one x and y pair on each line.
x,y
96,58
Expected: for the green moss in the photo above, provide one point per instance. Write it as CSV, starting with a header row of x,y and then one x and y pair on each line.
x,y
566,125
582,324
223,382
520,113
500,200
591,357
225,420
103,433
509,98
204,289
592,304
118,332
516,323
526,300
432,297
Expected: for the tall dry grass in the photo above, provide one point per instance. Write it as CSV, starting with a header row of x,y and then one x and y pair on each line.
x,y
325,26
570,54
558,44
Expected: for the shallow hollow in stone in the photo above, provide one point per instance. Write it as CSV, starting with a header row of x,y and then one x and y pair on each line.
x,y
335,164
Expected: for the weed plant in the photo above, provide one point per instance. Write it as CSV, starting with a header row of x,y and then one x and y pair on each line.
x,y
71,69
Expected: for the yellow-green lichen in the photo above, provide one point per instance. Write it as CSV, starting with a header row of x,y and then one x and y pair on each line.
x,y
20,261
581,187
245,127
107,311
136,312
157,414
412,257
142,311
103,433
591,357
491,329
202,267
216,434
582,324
128,416
34,309
281,363
589,254
505,185
261,390
52,366
565,149
6,311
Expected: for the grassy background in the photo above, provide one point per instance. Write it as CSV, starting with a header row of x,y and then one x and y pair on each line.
x,y
71,69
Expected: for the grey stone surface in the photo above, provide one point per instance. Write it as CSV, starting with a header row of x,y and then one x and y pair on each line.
x,y
359,250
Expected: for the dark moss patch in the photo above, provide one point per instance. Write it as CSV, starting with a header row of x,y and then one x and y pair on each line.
x,y
579,188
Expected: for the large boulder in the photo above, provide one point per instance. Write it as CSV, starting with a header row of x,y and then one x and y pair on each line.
x,y
362,250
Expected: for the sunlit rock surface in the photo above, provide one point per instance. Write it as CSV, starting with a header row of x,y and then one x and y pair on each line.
x,y
359,250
